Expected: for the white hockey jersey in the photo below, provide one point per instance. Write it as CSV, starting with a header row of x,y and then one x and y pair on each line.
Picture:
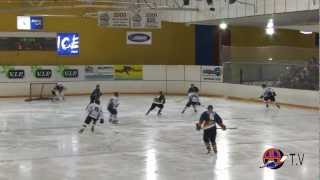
x,y
194,98
114,102
95,111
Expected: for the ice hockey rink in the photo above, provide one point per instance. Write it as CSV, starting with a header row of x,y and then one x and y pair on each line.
x,y
39,140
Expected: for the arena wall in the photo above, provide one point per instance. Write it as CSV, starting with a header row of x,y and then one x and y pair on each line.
x,y
106,45
173,80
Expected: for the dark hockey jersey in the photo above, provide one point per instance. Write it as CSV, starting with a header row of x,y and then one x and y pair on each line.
x,y
193,90
159,100
96,93
209,120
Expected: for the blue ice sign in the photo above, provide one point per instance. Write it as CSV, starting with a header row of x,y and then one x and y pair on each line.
x,y
68,44
36,22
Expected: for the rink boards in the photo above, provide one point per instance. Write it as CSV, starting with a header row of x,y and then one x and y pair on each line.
x,y
149,79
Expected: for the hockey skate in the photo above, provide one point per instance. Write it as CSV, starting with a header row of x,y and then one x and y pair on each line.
x,y
208,148
214,147
92,129
115,122
81,130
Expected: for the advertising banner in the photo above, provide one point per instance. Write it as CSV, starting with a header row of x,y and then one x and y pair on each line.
x,y
212,73
29,22
139,38
123,19
145,20
69,73
14,73
152,20
43,74
114,19
98,72
128,72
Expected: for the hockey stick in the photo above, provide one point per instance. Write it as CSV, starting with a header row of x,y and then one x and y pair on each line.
x,y
180,100
231,128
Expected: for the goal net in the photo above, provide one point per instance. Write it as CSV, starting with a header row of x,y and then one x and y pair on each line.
x,y
40,91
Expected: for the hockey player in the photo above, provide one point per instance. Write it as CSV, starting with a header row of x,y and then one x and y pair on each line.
x,y
158,102
94,114
207,122
112,108
268,96
192,101
193,98
193,90
57,92
96,94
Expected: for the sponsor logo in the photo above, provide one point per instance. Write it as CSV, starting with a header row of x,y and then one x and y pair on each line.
x,y
136,18
216,71
16,74
36,22
139,37
43,73
70,73
104,19
68,44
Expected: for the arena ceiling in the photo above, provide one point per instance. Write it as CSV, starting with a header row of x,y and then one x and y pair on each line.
x,y
299,20
90,5
170,10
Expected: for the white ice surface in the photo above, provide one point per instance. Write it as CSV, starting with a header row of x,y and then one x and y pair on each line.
x,y
39,141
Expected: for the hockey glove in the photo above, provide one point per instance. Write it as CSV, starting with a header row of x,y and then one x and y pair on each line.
x,y
198,127
223,127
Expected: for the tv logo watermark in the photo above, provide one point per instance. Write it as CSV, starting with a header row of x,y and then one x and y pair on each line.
x,y
68,44
274,158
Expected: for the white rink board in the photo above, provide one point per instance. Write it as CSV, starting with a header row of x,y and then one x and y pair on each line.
x,y
175,73
192,73
154,72
174,80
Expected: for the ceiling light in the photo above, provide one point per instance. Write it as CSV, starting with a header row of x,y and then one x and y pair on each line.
x,y
223,25
270,23
270,27
270,31
305,32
